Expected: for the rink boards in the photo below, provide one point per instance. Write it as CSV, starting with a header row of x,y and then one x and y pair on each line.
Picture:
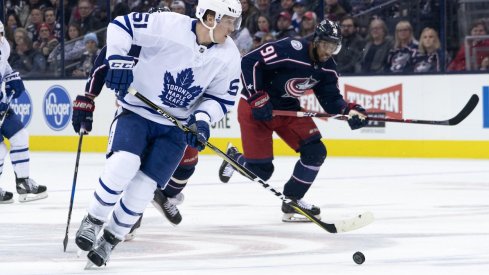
x,y
46,110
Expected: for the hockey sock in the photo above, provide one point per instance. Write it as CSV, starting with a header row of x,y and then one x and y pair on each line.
x,y
179,180
19,153
301,179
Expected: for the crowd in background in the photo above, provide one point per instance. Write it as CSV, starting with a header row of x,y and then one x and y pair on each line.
x,y
387,43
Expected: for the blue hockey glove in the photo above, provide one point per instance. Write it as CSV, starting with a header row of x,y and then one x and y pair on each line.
x,y
82,118
199,123
119,77
14,84
358,116
261,107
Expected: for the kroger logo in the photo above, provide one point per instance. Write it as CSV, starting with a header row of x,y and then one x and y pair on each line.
x,y
57,108
22,107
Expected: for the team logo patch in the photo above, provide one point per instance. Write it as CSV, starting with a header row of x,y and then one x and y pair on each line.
x,y
178,93
296,87
296,44
57,108
22,107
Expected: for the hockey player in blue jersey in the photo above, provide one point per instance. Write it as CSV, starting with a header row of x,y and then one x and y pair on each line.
x,y
274,77
188,67
13,129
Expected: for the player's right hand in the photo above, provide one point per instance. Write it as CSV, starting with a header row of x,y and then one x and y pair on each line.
x,y
199,124
358,116
119,77
14,85
261,107
82,118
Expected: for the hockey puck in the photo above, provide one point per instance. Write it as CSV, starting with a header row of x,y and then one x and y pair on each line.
x,y
358,257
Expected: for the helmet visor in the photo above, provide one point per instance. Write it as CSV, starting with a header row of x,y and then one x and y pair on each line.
x,y
228,22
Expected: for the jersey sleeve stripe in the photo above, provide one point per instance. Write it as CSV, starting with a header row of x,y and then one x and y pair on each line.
x,y
220,100
129,31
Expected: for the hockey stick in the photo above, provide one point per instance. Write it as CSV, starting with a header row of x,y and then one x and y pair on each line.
x,y
466,110
73,187
9,99
341,226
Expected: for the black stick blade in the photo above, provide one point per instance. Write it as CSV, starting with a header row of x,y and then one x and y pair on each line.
x,y
469,107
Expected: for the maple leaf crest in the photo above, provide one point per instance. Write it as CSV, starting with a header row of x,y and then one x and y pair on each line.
x,y
180,92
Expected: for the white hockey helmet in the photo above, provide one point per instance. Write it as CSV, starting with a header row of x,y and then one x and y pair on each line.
x,y
2,28
230,8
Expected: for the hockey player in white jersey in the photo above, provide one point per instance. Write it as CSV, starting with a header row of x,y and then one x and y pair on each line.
x,y
13,129
188,67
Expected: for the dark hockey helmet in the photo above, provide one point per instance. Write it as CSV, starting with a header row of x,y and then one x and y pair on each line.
x,y
328,30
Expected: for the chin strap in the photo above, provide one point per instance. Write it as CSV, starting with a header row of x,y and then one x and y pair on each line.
x,y
211,34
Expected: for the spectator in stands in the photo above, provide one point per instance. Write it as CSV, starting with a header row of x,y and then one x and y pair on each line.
x,y
264,7
35,21
428,56
264,23
91,51
20,9
287,5
333,10
400,56
478,49
39,4
46,42
299,11
177,6
352,46
249,15
74,48
84,17
50,20
377,48
12,23
27,61
284,26
308,25
485,64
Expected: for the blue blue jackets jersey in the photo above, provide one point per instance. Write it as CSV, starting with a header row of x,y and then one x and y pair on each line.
x,y
285,70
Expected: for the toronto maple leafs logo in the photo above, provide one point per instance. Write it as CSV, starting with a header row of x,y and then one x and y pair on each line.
x,y
180,92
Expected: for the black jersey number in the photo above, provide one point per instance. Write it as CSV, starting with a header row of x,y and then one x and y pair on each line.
x,y
268,53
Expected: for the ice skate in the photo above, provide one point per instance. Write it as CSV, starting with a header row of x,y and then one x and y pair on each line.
x,y
88,232
226,170
6,197
290,215
132,234
29,190
168,206
100,254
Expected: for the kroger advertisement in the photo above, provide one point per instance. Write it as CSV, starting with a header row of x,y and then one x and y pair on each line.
x,y
46,108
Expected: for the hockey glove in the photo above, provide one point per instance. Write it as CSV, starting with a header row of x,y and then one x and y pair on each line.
x,y
3,107
82,119
261,107
14,85
358,116
119,77
199,124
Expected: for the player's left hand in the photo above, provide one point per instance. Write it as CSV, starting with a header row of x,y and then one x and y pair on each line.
x,y
82,118
358,116
199,124
14,84
261,107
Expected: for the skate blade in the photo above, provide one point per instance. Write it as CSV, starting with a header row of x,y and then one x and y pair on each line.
x,y
354,223
294,217
89,265
7,202
32,197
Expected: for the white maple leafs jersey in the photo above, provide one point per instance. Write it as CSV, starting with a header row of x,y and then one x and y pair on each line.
x,y
5,68
173,70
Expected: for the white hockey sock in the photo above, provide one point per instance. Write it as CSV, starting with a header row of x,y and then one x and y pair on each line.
x,y
120,169
19,153
131,206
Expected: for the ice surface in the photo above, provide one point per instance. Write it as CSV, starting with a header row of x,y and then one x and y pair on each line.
x,y
432,217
